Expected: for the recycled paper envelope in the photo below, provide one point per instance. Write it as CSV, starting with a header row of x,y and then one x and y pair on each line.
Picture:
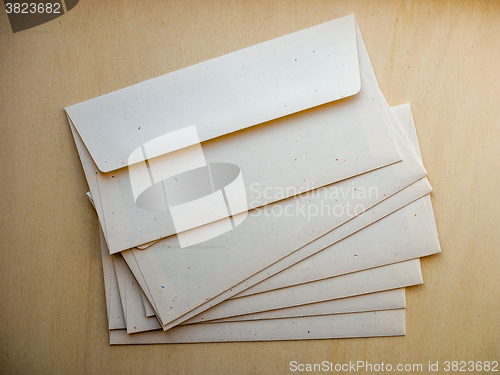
x,y
114,309
131,300
388,180
405,234
180,280
393,184
206,143
386,300
359,282
352,248
353,322
422,241
408,233
333,299
363,324
376,279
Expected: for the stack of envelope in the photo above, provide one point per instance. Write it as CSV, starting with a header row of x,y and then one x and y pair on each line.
x,y
268,194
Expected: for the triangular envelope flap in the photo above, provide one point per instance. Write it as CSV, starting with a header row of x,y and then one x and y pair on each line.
x,y
273,79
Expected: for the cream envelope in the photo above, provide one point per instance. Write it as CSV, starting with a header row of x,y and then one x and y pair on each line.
x,y
386,300
147,305
408,231
295,327
181,279
369,281
131,300
392,189
364,224
197,289
364,324
116,319
377,279
426,233
377,244
405,234
143,146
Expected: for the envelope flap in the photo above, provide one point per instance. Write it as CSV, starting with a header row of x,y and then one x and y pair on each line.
x,y
232,92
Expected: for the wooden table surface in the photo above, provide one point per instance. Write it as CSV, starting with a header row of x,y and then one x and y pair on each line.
x,y
441,56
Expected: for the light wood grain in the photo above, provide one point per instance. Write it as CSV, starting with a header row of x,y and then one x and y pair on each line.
x,y
441,56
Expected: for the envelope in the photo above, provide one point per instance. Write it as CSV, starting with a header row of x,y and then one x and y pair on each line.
x,y
369,214
389,186
376,279
136,319
116,319
253,127
386,241
423,246
277,313
385,300
408,233
354,284
392,184
429,243
150,312
364,324
387,319
195,277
